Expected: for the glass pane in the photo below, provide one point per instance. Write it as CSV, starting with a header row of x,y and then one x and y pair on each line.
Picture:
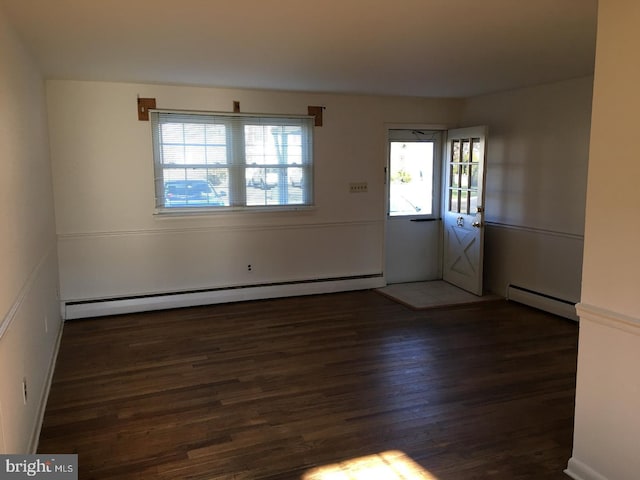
x,y
195,154
274,186
411,178
454,201
475,151
174,173
291,137
173,154
216,134
473,204
256,198
474,176
193,143
273,144
455,176
260,185
258,148
294,155
219,178
455,151
295,177
255,155
172,133
216,154
294,194
464,177
262,178
466,150
194,133
191,187
464,202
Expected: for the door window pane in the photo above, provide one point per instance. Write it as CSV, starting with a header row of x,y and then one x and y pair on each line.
x,y
455,155
475,151
455,175
464,177
474,176
464,202
464,169
454,203
473,203
466,149
411,178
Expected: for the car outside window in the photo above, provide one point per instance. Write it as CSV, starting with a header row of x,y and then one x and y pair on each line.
x,y
191,193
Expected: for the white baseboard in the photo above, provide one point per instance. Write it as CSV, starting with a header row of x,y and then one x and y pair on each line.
x,y
115,306
580,471
542,302
35,435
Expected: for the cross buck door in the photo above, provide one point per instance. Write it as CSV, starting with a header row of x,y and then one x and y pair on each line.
x,y
463,209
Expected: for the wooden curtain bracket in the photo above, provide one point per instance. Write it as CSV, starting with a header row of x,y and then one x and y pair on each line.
x,y
144,104
317,113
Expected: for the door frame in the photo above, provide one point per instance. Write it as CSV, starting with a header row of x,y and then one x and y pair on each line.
x,y
440,175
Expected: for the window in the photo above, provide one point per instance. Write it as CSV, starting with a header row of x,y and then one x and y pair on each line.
x,y
414,173
464,166
225,161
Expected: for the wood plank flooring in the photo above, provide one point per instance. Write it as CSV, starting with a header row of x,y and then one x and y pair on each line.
x,y
271,389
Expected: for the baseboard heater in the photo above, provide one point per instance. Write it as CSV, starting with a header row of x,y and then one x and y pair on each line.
x,y
548,303
161,301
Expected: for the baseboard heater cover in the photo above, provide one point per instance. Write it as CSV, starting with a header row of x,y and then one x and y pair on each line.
x,y
541,301
162,301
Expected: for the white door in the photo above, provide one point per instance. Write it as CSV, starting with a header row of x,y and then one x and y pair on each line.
x,y
463,209
412,248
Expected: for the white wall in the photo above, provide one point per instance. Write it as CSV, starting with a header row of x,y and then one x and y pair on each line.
x,y
111,244
607,420
535,185
30,321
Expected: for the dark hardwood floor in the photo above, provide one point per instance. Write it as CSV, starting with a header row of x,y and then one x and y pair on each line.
x,y
271,389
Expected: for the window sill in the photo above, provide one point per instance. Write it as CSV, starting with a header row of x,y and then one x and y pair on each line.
x,y
209,212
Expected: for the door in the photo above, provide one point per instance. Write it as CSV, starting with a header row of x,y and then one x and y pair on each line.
x,y
412,249
463,209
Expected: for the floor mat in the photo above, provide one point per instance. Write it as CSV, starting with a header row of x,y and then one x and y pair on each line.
x,y
436,293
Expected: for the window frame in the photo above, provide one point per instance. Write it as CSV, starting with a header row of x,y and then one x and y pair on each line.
x,y
236,164
433,135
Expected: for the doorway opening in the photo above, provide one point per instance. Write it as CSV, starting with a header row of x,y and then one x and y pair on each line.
x,y
413,227
435,206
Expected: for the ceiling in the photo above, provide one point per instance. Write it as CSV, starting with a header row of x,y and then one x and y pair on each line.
x,y
442,48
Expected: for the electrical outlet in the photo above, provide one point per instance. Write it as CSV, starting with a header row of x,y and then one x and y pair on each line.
x,y
249,268
24,389
358,187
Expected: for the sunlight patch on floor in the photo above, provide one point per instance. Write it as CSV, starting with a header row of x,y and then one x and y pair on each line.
x,y
390,465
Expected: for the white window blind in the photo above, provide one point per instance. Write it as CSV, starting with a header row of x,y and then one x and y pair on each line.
x,y
231,161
